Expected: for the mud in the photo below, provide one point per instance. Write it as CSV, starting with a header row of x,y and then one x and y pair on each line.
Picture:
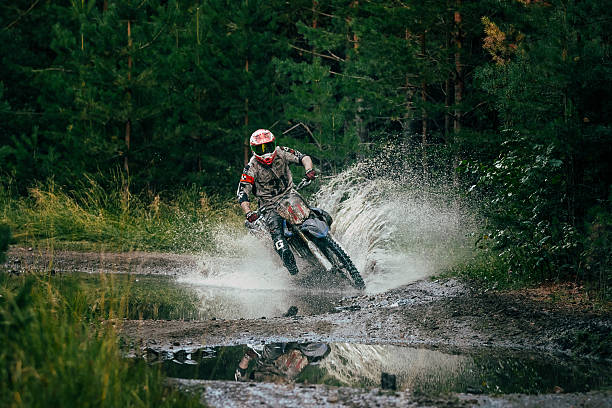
x,y
236,394
445,315
147,263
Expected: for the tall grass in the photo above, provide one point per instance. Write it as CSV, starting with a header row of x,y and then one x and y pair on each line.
x,y
108,217
59,351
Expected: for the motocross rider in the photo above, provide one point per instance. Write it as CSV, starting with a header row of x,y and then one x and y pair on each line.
x,y
267,176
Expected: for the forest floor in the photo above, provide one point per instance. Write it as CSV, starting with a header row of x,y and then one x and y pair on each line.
x,y
445,315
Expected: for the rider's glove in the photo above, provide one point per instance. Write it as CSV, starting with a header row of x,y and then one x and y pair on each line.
x,y
311,175
252,216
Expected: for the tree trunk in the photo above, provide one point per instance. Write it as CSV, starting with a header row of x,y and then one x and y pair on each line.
x,y
247,152
128,123
458,71
423,109
423,97
458,88
408,112
447,98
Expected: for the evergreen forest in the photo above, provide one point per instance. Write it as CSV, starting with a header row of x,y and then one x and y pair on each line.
x,y
511,98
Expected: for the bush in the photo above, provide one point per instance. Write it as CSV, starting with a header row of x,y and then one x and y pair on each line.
x,y
597,254
531,229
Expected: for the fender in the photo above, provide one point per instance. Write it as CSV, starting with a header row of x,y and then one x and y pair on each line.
x,y
322,214
315,227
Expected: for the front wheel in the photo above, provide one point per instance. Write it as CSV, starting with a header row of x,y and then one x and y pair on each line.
x,y
341,261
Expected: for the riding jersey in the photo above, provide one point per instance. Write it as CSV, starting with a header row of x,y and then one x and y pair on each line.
x,y
268,183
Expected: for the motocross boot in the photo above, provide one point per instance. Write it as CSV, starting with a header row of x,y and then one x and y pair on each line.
x,y
289,261
275,225
282,248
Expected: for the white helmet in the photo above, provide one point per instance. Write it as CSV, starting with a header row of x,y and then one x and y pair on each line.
x,y
263,146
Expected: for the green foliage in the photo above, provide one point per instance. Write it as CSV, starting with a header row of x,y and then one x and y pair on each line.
x,y
552,170
487,269
525,203
52,355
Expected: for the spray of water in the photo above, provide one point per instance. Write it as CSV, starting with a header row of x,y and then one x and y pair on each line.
x,y
398,225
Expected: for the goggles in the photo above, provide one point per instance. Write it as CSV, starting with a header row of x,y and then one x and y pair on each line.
x,y
264,148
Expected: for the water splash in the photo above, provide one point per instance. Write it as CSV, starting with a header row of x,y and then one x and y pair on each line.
x,y
396,225
244,278
396,222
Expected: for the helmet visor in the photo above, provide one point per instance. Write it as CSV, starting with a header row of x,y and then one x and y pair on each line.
x,y
264,148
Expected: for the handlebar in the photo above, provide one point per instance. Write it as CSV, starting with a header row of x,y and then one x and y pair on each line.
x,y
257,225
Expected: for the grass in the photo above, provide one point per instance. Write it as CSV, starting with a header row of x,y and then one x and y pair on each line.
x,y
94,217
59,349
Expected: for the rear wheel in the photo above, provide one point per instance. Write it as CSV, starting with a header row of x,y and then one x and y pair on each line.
x,y
341,261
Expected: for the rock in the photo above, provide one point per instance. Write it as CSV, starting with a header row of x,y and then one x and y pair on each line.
x,y
292,311
332,399
388,381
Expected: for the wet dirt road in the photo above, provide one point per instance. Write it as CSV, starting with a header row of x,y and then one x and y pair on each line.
x,y
445,315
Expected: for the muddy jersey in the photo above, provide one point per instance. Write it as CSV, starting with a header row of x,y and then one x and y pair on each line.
x,y
268,183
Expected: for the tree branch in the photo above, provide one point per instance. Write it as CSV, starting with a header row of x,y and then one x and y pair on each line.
x,y
307,130
8,27
350,76
60,69
332,57
149,43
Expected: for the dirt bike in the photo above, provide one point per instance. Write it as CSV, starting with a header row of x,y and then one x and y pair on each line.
x,y
307,230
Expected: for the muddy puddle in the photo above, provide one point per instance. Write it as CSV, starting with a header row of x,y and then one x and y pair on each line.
x,y
398,368
165,297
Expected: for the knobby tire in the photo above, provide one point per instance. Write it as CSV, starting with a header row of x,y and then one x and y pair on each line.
x,y
345,261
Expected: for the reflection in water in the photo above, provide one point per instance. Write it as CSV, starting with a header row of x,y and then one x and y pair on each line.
x,y
279,362
363,365
360,365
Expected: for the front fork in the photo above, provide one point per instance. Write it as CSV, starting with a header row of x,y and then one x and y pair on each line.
x,y
315,251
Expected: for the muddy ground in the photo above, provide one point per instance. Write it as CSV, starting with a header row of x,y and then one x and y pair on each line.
x,y
446,315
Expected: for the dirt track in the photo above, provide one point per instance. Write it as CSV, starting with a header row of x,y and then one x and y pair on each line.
x,y
442,315
446,315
